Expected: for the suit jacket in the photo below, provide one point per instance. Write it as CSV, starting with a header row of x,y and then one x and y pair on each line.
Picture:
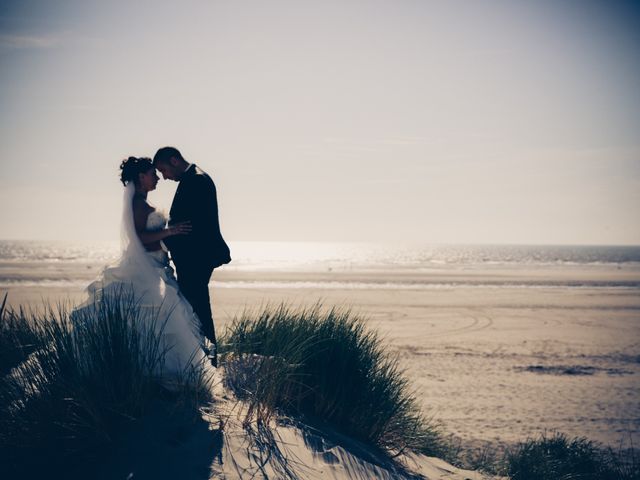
x,y
196,201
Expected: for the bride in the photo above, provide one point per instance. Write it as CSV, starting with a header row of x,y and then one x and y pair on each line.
x,y
143,269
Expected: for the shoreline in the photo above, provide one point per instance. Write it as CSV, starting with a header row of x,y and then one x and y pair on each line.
x,y
80,273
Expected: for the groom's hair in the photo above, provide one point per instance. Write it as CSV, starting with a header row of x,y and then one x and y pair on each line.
x,y
165,153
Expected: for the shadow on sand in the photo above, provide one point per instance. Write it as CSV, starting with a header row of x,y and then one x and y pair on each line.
x,y
169,442
290,449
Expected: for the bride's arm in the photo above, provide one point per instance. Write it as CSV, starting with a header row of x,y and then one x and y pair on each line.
x,y
140,214
147,237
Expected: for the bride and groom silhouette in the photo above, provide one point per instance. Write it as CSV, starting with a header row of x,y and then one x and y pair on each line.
x,y
191,235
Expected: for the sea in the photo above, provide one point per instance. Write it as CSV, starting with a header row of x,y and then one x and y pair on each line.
x,y
59,263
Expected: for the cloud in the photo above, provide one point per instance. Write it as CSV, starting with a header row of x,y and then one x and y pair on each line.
x,y
19,42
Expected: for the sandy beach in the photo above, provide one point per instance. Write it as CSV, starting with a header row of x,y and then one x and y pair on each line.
x,y
496,355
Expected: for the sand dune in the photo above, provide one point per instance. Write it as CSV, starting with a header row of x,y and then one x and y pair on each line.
x,y
171,443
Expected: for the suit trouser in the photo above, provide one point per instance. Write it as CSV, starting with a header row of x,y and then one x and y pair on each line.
x,y
194,285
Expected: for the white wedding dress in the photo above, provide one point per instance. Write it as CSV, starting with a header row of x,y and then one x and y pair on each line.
x,y
147,279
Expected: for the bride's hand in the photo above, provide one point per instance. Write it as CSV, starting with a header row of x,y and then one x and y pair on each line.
x,y
182,228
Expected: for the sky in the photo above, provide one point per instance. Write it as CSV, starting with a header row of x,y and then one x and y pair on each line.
x,y
413,121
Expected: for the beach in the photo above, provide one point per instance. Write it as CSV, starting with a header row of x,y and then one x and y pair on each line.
x,y
496,353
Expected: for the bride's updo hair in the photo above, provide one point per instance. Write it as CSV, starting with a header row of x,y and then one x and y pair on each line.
x,y
132,167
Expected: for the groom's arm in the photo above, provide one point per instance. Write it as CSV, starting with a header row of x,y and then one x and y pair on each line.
x,y
196,203
190,205
202,206
209,240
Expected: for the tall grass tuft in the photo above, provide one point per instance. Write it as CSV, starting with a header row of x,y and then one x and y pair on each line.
x,y
81,374
560,457
17,339
327,366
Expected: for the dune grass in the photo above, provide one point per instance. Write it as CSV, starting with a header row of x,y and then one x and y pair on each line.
x,y
327,366
74,378
17,339
557,456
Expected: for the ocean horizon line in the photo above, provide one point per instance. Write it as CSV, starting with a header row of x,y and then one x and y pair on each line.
x,y
358,242
8,284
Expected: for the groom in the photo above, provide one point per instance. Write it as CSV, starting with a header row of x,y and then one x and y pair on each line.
x,y
197,254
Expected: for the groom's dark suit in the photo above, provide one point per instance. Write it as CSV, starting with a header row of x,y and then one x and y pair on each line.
x,y
196,255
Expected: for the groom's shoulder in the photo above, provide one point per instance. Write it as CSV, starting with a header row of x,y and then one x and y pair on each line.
x,y
199,171
200,177
201,174
194,173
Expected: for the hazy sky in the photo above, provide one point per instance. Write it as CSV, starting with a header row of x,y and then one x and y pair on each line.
x,y
477,121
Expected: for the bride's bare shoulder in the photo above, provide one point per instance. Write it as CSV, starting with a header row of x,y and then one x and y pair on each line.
x,y
140,205
141,210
